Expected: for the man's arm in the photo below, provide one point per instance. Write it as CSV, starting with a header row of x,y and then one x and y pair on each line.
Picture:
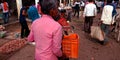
x,y
30,36
57,40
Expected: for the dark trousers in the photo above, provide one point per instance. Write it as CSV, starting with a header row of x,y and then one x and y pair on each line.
x,y
76,11
105,29
98,8
6,17
88,23
24,30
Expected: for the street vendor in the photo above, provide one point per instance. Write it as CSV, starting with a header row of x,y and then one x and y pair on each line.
x,y
47,33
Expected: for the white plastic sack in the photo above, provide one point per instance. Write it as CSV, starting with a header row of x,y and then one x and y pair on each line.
x,y
97,33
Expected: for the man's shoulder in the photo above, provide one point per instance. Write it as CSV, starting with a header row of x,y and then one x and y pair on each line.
x,y
32,8
109,6
1,4
90,4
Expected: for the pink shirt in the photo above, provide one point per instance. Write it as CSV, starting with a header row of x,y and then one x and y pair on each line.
x,y
47,35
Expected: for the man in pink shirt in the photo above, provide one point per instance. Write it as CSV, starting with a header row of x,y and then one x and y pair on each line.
x,y
47,33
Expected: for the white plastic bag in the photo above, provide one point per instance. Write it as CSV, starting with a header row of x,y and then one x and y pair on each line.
x,y
97,33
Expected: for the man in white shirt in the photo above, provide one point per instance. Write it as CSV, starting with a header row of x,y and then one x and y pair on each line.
x,y
106,18
5,9
90,11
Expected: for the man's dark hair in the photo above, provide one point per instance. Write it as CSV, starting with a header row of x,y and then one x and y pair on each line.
x,y
109,1
3,1
47,5
91,0
25,4
32,3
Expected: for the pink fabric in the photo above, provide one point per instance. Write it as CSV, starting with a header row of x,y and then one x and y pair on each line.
x,y
47,35
39,9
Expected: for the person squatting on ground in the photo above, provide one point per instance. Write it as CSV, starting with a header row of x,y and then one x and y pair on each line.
x,y
5,8
90,11
22,19
47,33
33,12
77,8
106,18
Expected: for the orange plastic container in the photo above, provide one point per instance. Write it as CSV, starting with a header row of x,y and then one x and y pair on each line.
x,y
70,45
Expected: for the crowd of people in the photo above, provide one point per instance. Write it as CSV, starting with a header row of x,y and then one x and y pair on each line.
x,y
106,8
48,39
47,32
107,13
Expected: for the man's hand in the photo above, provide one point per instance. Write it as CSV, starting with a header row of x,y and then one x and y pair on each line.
x,y
100,22
63,57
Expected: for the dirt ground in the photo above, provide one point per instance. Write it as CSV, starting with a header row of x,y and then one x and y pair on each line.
x,y
89,49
